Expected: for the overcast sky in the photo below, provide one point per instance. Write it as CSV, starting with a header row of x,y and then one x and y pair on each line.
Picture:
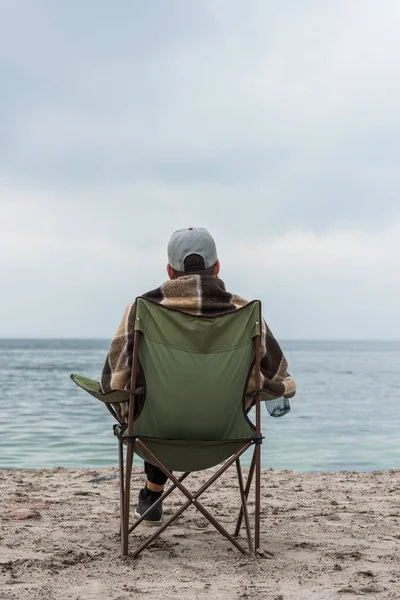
x,y
273,124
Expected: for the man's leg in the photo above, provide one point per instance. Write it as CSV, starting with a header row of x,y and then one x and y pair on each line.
x,y
156,479
150,493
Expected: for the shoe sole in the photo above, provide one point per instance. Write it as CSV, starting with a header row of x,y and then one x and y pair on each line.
x,y
149,523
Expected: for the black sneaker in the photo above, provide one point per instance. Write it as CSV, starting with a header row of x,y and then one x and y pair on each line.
x,y
145,500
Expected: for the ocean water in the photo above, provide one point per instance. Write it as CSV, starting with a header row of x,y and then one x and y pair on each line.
x,y
345,416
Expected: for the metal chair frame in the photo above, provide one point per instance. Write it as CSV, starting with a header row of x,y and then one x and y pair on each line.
x,y
125,474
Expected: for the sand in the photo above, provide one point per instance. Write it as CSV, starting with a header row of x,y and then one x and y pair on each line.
x,y
325,536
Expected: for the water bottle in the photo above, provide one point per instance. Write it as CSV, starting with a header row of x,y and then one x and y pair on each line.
x,y
278,407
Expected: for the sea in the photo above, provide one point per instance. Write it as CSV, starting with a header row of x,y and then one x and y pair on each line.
x,y
345,415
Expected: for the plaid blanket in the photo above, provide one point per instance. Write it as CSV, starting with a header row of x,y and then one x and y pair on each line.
x,y
196,294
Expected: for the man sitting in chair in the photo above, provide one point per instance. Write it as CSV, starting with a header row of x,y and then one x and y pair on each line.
x,y
193,287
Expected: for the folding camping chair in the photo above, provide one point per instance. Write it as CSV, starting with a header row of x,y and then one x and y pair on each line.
x,y
192,417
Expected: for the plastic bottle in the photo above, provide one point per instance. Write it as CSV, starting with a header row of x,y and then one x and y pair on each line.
x,y
278,407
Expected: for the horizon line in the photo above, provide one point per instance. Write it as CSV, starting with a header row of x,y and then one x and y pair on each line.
x,y
105,339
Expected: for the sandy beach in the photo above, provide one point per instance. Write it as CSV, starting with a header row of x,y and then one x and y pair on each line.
x,y
325,536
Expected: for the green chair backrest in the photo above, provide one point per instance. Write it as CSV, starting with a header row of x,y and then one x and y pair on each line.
x,y
196,370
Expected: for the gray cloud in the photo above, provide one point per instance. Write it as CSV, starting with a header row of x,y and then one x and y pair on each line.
x,y
122,122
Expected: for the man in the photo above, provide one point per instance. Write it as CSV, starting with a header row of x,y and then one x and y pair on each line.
x,y
193,287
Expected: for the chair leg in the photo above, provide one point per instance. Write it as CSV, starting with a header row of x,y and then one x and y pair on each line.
x,y
128,475
246,494
121,487
161,529
192,498
258,499
164,495
244,506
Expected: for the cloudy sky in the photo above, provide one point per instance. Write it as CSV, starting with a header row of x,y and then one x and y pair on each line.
x,y
274,124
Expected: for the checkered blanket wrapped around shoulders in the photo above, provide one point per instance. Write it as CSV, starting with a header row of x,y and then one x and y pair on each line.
x,y
198,295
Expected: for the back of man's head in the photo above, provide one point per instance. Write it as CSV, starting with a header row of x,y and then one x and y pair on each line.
x,y
192,251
